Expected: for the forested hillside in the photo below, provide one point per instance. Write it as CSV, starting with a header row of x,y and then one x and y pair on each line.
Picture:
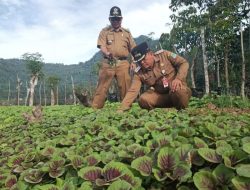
x,y
84,75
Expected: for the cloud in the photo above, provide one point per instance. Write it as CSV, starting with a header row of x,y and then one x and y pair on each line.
x,y
66,31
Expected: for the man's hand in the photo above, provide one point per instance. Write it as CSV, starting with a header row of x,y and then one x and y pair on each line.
x,y
109,56
132,66
176,85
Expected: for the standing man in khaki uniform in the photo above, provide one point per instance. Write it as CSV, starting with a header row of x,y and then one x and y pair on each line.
x,y
115,43
165,73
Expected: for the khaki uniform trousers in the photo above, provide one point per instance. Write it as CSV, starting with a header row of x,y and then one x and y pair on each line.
x,y
106,73
152,99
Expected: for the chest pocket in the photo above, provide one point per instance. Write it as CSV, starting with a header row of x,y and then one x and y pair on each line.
x,y
110,39
167,69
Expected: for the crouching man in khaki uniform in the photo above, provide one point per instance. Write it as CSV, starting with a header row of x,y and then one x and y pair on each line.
x,y
165,73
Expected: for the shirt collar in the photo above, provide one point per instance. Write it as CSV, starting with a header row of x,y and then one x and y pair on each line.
x,y
157,59
119,30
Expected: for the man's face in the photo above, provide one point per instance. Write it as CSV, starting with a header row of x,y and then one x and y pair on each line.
x,y
148,61
115,22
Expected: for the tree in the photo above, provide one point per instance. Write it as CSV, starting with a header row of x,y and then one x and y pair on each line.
x,y
53,83
222,20
34,64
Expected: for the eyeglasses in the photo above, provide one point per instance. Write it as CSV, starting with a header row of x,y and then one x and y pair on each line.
x,y
112,19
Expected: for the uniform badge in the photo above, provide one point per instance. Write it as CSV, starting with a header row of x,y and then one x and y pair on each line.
x,y
165,82
115,12
137,69
173,55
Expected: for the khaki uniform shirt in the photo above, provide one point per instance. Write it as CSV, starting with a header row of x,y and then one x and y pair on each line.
x,y
119,43
168,65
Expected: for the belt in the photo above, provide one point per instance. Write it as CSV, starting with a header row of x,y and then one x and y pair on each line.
x,y
118,58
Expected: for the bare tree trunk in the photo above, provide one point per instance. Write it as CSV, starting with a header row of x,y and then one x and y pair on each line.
x,y
73,90
90,84
203,44
33,83
65,93
57,95
243,79
217,70
52,98
27,95
40,94
18,89
9,94
44,92
192,70
175,50
226,68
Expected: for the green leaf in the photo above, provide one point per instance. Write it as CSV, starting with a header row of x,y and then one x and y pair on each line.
x,y
164,140
183,188
246,147
182,172
223,148
160,176
223,174
245,140
187,132
21,186
199,143
241,183
48,151
243,170
68,186
234,157
196,159
141,151
209,155
93,159
166,160
33,176
10,181
120,185
151,126
113,170
59,182
204,180
46,187
56,167
77,161
90,173
143,165
15,161
152,144
86,186
183,152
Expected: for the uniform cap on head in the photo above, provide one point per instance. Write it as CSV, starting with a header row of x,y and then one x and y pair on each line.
x,y
115,12
139,52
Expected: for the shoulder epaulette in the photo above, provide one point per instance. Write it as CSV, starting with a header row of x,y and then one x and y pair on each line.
x,y
137,69
107,27
126,29
159,51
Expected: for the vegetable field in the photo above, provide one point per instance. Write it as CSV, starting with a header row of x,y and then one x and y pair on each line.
x,y
205,147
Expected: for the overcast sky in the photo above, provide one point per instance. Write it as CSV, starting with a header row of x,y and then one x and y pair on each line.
x,y
66,31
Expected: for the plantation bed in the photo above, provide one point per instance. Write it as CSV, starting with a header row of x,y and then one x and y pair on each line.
x,y
72,147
